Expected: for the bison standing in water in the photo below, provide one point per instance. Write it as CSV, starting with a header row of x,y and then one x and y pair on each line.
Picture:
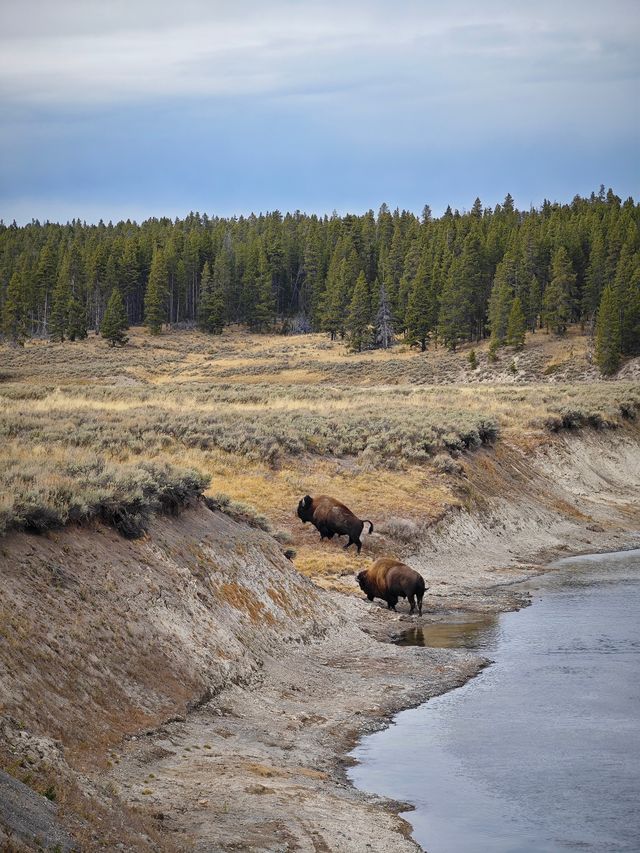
x,y
390,580
331,518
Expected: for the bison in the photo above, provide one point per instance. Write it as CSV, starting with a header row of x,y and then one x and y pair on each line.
x,y
390,580
331,518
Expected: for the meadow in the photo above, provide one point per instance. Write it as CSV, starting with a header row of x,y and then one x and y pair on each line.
x,y
88,431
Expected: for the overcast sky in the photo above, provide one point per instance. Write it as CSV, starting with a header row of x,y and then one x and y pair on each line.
x,y
116,109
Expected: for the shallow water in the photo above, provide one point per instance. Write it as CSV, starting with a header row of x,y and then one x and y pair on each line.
x,y
541,752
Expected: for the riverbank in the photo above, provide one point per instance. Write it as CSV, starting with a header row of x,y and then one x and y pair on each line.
x,y
263,767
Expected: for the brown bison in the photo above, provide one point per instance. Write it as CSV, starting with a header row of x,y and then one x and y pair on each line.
x,y
332,518
390,580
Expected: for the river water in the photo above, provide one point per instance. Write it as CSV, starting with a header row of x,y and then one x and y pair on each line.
x,y
541,752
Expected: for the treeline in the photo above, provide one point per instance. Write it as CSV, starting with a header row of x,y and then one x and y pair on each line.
x,y
369,279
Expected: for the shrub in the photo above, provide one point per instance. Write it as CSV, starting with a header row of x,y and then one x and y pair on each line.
x,y
239,511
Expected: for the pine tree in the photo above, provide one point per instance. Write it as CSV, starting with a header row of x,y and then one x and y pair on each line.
x,y
630,327
129,275
595,278
557,297
114,322
212,306
155,297
45,275
516,325
14,315
420,308
76,320
406,283
454,319
343,272
501,301
204,304
312,293
265,305
608,333
225,298
625,286
60,307
384,321
250,282
359,318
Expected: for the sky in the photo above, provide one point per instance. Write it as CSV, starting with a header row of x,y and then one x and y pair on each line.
x,y
115,110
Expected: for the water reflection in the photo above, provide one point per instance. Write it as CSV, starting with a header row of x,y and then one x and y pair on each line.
x,y
476,633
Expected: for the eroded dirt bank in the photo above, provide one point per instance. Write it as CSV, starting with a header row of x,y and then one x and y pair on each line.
x,y
271,679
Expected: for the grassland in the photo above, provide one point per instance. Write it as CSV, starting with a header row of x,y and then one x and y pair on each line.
x,y
86,430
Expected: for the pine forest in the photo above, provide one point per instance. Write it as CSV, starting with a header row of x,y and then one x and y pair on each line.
x,y
370,280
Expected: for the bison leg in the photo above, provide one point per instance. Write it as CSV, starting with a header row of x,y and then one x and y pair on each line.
x,y
350,542
412,602
359,544
391,603
420,604
370,597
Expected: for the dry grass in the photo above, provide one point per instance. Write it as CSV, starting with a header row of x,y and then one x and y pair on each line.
x,y
86,429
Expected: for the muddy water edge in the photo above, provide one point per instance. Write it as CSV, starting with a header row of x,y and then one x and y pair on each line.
x,y
541,751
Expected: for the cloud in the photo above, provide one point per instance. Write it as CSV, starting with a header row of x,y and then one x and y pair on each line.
x,y
148,106
98,53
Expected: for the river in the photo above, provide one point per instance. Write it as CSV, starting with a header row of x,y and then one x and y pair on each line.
x,y
540,753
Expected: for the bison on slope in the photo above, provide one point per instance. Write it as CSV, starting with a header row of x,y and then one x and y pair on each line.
x,y
331,518
390,580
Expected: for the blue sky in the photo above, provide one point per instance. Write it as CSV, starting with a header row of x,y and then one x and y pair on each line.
x,y
133,109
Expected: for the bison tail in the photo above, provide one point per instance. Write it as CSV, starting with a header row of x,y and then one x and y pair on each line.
x,y
366,520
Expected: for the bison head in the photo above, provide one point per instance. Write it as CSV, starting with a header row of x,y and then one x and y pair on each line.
x,y
305,510
363,581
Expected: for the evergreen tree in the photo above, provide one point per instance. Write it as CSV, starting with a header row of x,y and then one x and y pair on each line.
x,y
516,325
45,281
454,319
225,297
359,318
406,283
420,308
501,301
384,321
557,296
204,305
211,308
129,275
312,291
250,284
595,278
341,278
630,326
608,333
76,320
60,308
265,306
114,322
155,297
14,315
625,286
